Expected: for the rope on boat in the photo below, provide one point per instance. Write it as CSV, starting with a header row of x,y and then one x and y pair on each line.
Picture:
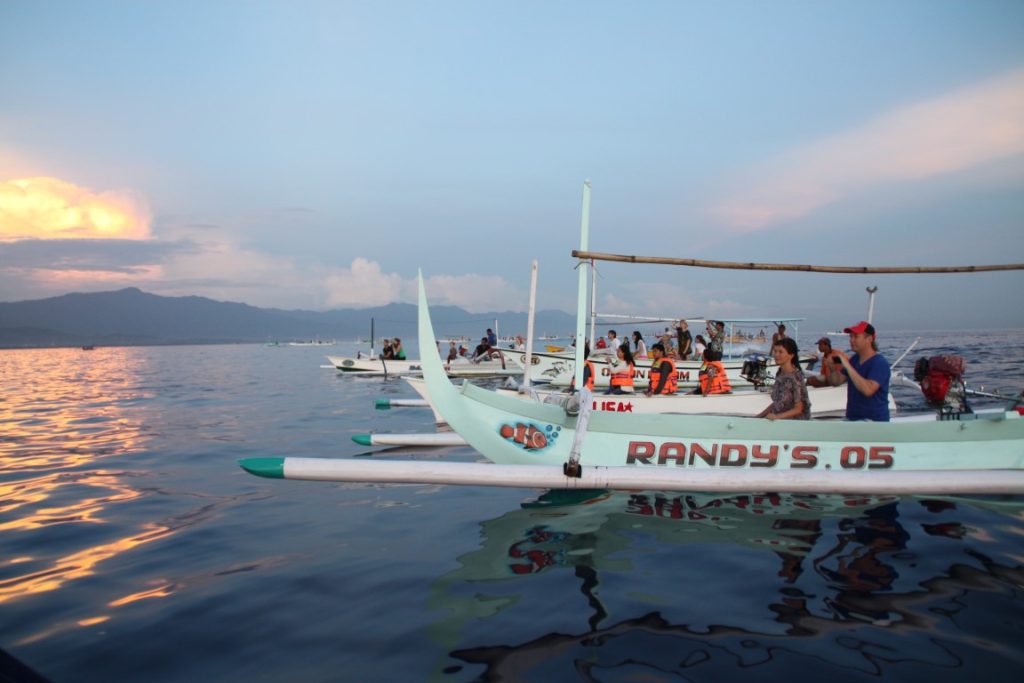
x,y
737,265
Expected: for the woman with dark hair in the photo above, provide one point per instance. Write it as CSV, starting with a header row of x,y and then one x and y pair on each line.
x,y
638,342
789,392
621,381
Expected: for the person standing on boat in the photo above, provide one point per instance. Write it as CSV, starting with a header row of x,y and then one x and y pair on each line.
x,y
638,343
789,392
831,374
779,334
453,352
397,350
867,391
699,344
716,330
492,339
662,376
613,341
623,369
684,339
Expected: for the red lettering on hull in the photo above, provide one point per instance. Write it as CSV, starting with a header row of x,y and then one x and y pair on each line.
x,y
713,454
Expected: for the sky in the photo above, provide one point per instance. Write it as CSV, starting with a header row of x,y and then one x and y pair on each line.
x,y
315,155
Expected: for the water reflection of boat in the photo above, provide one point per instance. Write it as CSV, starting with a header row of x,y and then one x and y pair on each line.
x,y
836,568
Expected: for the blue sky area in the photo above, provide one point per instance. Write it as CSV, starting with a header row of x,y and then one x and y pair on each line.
x,y
315,154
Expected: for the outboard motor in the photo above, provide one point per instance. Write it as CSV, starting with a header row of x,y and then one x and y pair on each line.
x,y
755,370
942,383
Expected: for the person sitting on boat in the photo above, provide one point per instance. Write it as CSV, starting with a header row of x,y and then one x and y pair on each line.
x,y
623,369
397,350
492,339
712,376
867,391
684,340
387,353
588,371
830,374
789,392
483,350
638,342
453,353
662,375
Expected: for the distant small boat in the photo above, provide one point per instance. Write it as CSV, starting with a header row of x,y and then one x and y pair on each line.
x,y
313,342
88,347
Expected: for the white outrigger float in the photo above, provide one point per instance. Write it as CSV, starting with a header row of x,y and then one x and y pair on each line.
x,y
550,446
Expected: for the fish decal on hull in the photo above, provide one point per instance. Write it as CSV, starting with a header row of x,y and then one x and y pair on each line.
x,y
529,436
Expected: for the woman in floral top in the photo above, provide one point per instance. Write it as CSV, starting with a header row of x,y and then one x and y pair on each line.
x,y
789,393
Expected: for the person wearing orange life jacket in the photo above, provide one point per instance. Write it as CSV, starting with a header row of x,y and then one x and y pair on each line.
x,y
588,371
622,368
663,379
713,379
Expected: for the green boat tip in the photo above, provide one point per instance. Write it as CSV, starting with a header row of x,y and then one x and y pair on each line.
x,y
383,404
362,439
272,468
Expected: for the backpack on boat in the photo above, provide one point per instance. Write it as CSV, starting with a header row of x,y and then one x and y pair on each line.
x,y
937,375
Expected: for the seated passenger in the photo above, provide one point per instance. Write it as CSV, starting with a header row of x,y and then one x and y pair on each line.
x,y
397,350
621,380
789,392
831,373
712,375
663,379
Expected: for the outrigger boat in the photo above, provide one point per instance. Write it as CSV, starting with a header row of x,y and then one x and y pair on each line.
x,y
374,365
559,446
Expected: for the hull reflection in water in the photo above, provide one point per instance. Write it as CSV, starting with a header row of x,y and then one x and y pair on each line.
x,y
839,568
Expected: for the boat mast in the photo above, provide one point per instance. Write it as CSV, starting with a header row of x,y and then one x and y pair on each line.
x,y
371,337
593,301
871,301
529,323
581,294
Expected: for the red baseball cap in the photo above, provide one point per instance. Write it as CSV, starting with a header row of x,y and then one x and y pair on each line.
x,y
863,327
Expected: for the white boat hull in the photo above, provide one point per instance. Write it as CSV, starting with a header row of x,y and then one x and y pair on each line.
x,y
379,367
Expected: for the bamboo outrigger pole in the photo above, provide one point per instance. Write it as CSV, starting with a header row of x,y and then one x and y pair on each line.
x,y
736,265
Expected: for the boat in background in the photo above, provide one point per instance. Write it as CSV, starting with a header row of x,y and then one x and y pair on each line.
x,y
461,367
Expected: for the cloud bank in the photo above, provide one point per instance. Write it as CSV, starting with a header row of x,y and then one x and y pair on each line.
x,y
50,208
965,129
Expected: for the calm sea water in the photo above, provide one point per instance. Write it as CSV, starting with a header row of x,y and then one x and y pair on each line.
x,y
133,548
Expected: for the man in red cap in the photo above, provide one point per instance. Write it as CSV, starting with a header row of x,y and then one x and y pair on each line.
x,y
867,391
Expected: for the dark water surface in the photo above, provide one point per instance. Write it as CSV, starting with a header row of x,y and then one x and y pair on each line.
x,y
133,548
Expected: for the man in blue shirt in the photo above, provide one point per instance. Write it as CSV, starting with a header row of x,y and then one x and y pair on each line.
x,y
867,392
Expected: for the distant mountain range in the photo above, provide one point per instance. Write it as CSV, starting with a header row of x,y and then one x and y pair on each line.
x,y
132,317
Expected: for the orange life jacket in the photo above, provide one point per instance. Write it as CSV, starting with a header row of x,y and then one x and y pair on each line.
x,y
589,383
659,367
719,384
623,377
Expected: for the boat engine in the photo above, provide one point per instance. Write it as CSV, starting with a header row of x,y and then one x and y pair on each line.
x,y
755,370
942,383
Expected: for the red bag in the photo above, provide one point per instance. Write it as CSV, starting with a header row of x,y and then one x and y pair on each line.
x,y
935,385
950,365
